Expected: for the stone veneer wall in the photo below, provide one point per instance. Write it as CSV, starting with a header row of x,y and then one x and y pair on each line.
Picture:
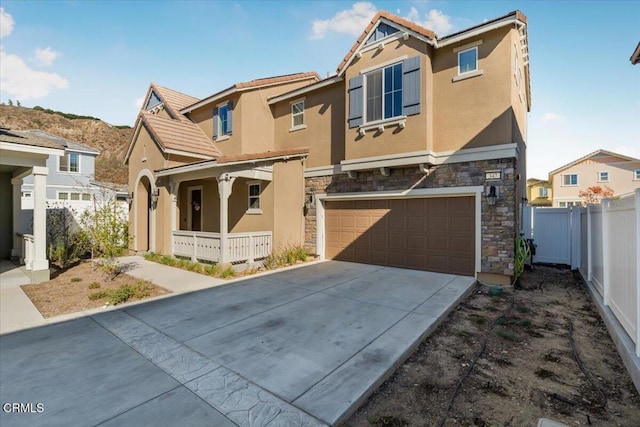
x,y
499,222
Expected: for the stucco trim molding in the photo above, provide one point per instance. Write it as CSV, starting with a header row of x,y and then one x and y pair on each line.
x,y
475,191
432,158
322,171
152,217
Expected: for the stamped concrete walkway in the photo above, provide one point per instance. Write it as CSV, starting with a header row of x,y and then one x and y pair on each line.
x,y
16,309
298,347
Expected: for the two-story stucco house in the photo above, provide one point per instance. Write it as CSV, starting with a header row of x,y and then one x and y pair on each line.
x,y
539,192
412,155
600,168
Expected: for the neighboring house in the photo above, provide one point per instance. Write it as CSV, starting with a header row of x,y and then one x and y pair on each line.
x,y
390,161
600,168
635,57
23,154
539,192
70,175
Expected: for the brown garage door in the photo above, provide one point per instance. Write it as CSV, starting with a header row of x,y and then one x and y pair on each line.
x,y
435,234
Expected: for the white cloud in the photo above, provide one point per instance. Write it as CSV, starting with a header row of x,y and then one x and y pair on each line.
x,y
6,23
46,56
351,21
139,101
553,117
435,20
23,83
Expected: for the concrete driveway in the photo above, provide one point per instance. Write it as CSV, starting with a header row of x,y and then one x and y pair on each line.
x,y
298,347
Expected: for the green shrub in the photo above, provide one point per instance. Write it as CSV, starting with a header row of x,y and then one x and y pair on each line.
x,y
76,279
123,293
94,285
227,273
98,295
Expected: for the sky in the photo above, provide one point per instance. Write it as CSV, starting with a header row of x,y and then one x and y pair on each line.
x,y
98,57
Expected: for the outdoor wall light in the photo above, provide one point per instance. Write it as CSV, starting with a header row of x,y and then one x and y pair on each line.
x,y
155,195
130,199
308,202
492,196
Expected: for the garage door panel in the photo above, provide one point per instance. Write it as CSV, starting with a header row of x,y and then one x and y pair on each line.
x,y
435,234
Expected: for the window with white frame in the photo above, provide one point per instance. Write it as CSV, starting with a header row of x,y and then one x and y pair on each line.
x,y
63,195
254,198
297,114
603,176
468,60
384,93
223,120
636,174
570,179
543,192
70,162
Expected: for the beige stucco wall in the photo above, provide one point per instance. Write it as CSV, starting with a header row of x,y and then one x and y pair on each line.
x,y
476,111
210,210
241,221
324,118
393,140
288,221
621,178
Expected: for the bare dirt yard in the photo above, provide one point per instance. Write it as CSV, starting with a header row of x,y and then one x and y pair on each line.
x,y
527,371
69,290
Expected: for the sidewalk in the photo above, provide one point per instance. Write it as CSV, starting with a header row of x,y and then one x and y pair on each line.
x,y
16,309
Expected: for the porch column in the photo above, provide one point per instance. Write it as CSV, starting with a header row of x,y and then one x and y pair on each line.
x,y
225,187
16,250
173,189
40,270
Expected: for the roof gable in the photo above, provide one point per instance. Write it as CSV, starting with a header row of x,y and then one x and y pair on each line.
x,y
603,156
381,31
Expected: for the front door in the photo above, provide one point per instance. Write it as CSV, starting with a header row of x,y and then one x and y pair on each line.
x,y
195,206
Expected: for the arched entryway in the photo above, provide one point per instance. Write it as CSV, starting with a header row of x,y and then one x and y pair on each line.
x,y
144,214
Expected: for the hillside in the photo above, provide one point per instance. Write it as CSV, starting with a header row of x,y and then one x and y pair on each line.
x,y
111,141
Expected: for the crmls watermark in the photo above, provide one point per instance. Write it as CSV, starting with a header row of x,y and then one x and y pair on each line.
x,y
23,408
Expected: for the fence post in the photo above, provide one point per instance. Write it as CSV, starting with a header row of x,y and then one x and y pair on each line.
x,y
589,250
606,272
575,238
194,257
637,208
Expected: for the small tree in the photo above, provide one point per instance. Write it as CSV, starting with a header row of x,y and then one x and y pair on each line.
x,y
594,195
106,229
10,102
18,103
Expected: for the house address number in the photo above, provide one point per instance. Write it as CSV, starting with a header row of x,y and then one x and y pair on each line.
x,y
493,175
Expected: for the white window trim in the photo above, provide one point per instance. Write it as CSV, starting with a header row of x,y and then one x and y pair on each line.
x,y
189,214
463,73
63,192
381,123
600,177
251,211
222,137
542,190
569,185
636,175
67,172
304,124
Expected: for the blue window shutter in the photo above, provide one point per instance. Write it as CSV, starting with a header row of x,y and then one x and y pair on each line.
x,y
230,117
215,122
411,86
356,101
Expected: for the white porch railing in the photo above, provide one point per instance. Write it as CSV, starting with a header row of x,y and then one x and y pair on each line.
x,y
206,246
28,249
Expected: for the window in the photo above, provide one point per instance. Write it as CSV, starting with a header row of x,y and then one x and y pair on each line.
x,y
543,192
637,174
562,204
86,196
570,179
75,196
254,198
222,120
384,93
603,176
297,114
63,196
468,60
70,162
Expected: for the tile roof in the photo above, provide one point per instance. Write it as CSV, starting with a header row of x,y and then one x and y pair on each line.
x,y
64,143
390,17
261,156
179,135
174,101
268,81
26,138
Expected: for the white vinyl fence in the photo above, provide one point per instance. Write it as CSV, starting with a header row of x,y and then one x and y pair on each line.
x,y
603,241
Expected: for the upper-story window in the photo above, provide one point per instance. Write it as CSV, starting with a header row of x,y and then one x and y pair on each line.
x,y
297,114
223,120
636,174
384,93
570,179
70,162
543,192
468,60
603,176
